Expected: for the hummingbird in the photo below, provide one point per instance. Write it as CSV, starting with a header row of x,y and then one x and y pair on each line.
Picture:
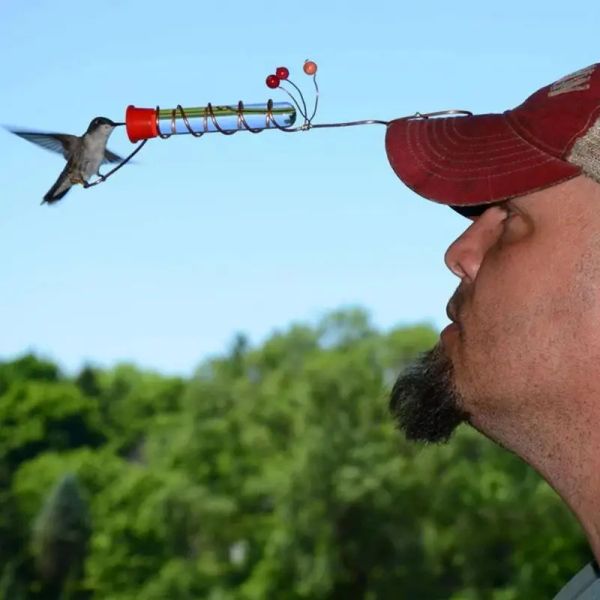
x,y
84,154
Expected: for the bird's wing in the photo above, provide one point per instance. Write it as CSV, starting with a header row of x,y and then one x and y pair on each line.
x,y
111,157
61,143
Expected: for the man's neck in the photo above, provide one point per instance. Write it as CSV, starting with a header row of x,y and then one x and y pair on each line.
x,y
567,456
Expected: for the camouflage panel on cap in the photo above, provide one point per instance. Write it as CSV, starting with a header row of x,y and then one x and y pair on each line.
x,y
586,152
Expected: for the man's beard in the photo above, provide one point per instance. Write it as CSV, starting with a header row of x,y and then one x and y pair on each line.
x,y
424,401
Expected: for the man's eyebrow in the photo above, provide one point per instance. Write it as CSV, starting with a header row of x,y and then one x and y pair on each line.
x,y
503,203
517,205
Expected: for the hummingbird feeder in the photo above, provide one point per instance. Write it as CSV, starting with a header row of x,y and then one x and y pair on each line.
x,y
143,124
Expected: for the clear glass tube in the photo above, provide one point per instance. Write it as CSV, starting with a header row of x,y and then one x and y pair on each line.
x,y
227,118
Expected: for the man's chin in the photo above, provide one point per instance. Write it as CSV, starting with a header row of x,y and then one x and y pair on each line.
x,y
424,401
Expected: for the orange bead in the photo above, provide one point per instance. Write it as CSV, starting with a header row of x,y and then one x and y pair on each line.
x,y
310,67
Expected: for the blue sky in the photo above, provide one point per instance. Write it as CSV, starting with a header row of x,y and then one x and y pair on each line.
x,y
203,238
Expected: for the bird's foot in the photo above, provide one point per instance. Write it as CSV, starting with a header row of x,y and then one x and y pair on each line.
x,y
100,179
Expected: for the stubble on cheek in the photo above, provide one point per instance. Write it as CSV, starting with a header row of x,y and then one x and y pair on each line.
x,y
514,348
484,355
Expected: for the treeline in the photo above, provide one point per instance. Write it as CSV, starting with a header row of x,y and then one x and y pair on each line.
x,y
273,473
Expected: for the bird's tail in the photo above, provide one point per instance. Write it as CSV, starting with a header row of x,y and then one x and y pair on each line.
x,y
59,189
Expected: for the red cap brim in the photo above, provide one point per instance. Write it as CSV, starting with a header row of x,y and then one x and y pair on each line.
x,y
467,161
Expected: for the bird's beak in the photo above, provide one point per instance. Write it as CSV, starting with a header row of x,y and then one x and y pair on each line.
x,y
117,124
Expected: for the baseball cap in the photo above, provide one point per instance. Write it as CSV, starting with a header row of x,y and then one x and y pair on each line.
x,y
469,162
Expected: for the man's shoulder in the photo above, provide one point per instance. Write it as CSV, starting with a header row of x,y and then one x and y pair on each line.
x,y
585,585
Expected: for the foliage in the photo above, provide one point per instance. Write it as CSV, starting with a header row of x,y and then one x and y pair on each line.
x,y
61,532
274,472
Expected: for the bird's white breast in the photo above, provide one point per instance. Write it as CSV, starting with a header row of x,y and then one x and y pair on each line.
x,y
94,147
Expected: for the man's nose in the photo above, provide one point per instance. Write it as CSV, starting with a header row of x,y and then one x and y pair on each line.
x,y
465,254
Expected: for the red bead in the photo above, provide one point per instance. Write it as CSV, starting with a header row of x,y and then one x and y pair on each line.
x,y
272,81
282,72
310,67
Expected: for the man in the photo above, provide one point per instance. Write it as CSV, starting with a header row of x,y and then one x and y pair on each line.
x,y
520,360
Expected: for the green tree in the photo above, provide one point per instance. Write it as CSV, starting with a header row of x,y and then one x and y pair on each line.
x,y
27,368
60,536
129,400
36,416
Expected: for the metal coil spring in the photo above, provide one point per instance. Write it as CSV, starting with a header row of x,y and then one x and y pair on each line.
x,y
242,124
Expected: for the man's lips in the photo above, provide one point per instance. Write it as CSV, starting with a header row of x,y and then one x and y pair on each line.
x,y
451,312
455,304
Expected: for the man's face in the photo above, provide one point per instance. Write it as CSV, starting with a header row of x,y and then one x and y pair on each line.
x,y
526,335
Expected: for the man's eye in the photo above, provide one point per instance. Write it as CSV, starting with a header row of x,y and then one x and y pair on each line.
x,y
509,212
516,225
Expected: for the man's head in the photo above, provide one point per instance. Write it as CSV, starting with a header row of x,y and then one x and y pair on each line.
x,y
526,335
522,353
